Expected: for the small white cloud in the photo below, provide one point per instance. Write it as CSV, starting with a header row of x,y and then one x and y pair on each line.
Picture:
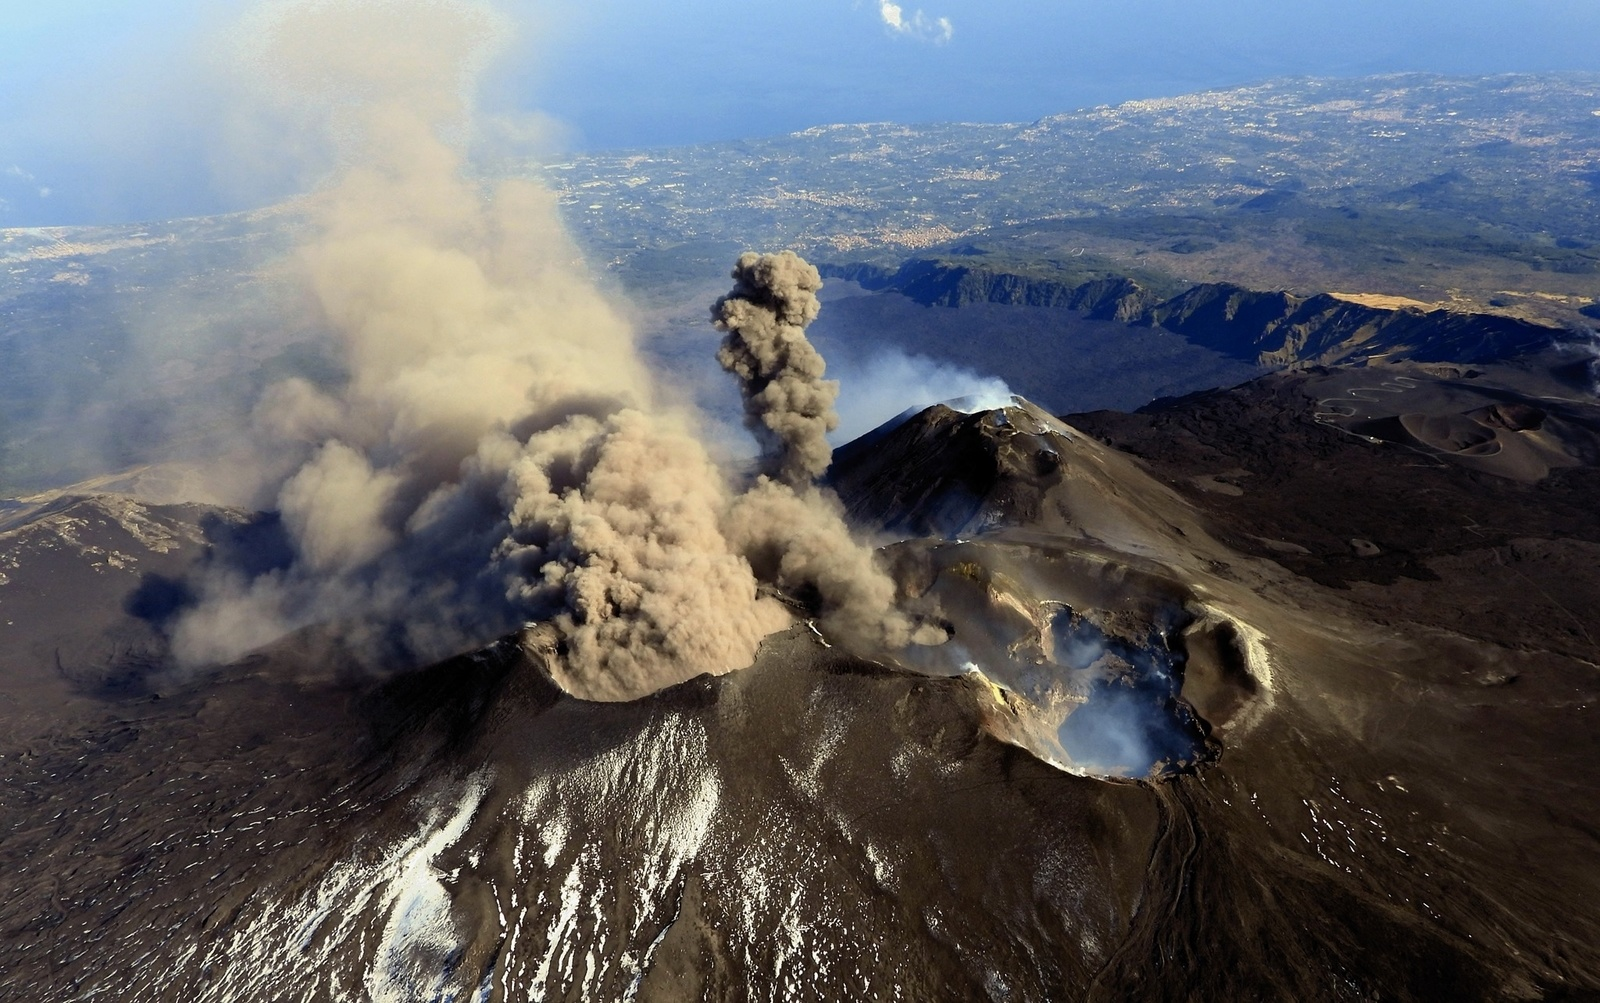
x,y
18,172
44,193
919,25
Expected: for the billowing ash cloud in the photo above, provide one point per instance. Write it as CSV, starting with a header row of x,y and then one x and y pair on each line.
x,y
787,403
498,454
798,540
792,531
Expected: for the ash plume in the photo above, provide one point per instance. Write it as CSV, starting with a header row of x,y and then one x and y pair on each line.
x,y
499,456
793,532
787,403
798,540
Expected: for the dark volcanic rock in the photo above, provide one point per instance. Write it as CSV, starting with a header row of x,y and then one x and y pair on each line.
x,y
1282,476
1267,327
935,282
1397,798
1278,328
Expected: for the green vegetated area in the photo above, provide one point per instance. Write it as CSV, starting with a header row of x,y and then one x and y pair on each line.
x,y
1429,254
692,261
1385,236
1364,237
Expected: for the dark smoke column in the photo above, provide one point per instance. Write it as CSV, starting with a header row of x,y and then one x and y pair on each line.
x,y
787,403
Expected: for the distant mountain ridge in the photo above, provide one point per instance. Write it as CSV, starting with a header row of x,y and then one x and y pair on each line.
x,y
1273,328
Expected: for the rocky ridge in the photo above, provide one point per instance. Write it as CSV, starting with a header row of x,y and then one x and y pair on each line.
x,y
1270,328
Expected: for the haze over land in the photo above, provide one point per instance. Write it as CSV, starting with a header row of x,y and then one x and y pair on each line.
x,y
128,110
1474,194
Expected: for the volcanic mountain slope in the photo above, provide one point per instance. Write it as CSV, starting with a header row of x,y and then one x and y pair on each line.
x,y
1348,475
1358,790
1268,327
88,583
1445,707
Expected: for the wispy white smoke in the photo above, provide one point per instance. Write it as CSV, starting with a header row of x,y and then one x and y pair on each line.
x,y
499,454
918,25
891,382
1589,348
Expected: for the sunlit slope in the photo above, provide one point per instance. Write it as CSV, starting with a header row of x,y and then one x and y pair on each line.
x,y
1360,670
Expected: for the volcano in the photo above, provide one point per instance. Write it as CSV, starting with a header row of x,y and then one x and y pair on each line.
x,y
1242,699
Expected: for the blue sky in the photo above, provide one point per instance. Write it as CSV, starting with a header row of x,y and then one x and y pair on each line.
x,y
111,106
714,70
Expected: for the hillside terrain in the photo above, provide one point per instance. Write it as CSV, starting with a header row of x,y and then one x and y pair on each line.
x,y
1362,669
125,345
1442,189
1249,653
